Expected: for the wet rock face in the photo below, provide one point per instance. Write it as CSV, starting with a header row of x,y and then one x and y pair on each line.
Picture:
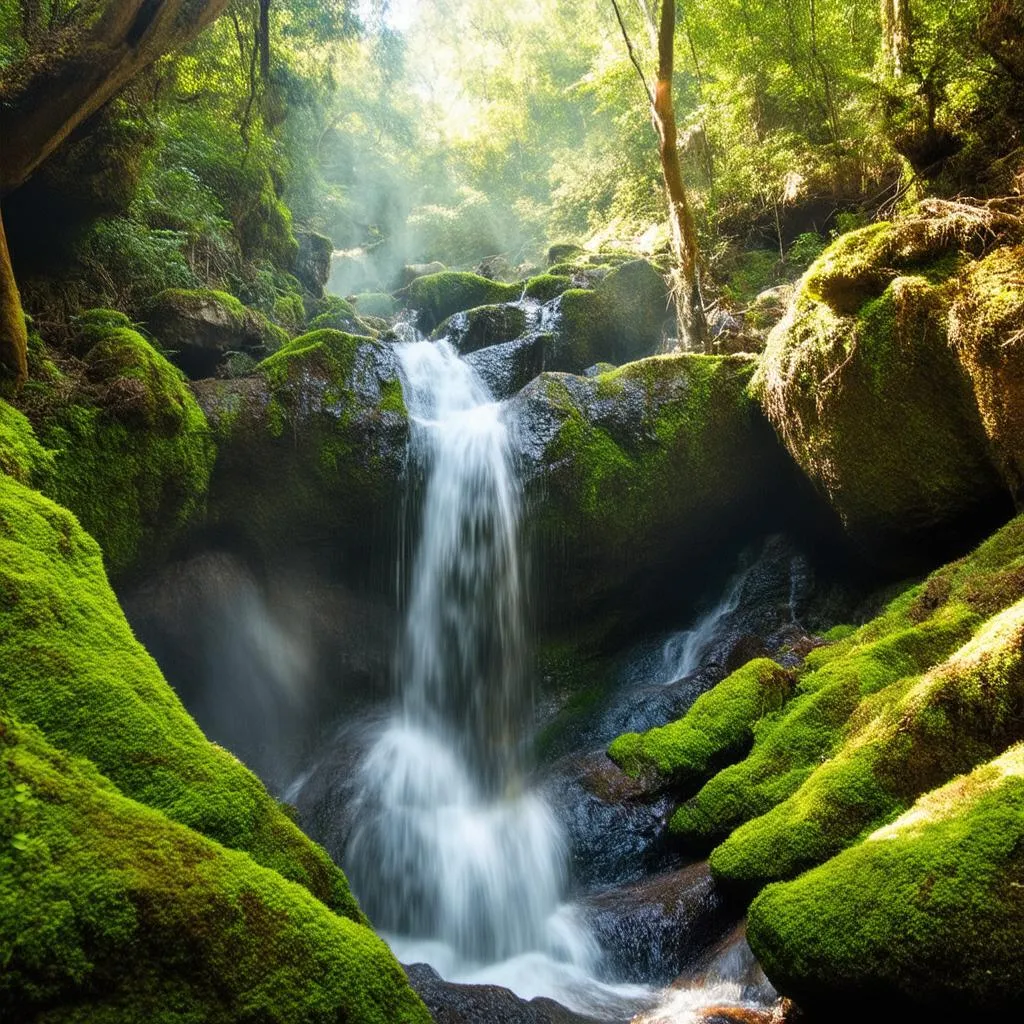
x,y
613,828
483,326
313,262
649,930
451,1003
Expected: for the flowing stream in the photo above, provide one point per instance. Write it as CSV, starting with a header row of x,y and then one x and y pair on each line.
x,y
456,859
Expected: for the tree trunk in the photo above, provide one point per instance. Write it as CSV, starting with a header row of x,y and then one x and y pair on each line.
x,y
59,90
897,40
693,324
13,336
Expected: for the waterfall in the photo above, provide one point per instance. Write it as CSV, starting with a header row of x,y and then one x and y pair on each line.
x,y
449,845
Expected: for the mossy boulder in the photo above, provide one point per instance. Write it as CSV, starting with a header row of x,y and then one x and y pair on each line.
x,y
564,252
926,914
642,471
70,665
717,729
621,320
863,382
313,261
199,327
111,911
126,446
545,287
483,326
21,454
929,688
311,447
987,331
434,297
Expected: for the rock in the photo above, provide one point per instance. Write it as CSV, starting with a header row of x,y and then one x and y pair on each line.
x,y
648,930
496,268
312,451
434,297
621,320
644,471
924,917
338,314
563,252
152,913
865,388
123,443
613,826
411,271
108,702
483,326
199,328
452,1003
987,333
880,715
545,287
313,262
509,367
717,729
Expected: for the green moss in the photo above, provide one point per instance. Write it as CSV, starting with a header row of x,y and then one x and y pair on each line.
x,y
436,296
928,910
716,729
190,300
70,665
109,911
752,273
544,287
21,454
132,450
929,688
289,311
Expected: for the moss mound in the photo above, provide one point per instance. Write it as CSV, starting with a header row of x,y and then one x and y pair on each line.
x,y
436,296
483,326
718,728
544,287
21,454
311,446
109,911
132,451
866,390
878,718
70,665
927,911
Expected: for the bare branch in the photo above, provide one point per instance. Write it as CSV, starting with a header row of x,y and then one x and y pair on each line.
x,y
632,53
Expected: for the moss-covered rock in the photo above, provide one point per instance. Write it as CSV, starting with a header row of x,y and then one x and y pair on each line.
x,y
867,392
545,287
311,446
338,314
927,912
642,471
878,717
198,327
436,296
987,331
131,450
718,728
564,252
619,321
483,326
70,665
110,911
21,454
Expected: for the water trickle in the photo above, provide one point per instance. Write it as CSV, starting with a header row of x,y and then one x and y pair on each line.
x,y
449,845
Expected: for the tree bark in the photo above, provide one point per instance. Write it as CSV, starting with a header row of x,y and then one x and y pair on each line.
x,y
693,324
47,97
897,39
13,336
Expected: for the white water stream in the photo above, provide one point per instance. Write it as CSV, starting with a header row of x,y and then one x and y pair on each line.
x,y
456,860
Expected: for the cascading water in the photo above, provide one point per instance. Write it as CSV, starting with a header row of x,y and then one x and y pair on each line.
x,y
453,857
